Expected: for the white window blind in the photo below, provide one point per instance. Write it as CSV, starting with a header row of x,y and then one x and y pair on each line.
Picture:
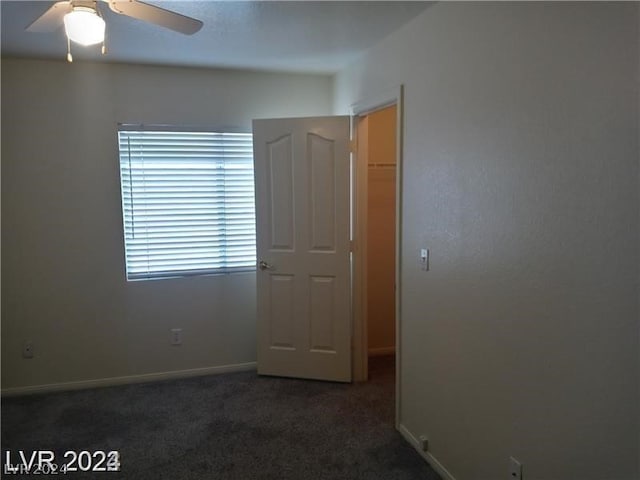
x,y
187,202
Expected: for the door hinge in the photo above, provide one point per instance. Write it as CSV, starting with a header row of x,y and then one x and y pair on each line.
x,y
352,245
353,146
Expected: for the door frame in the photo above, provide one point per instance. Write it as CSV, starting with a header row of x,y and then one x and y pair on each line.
x,y
362,108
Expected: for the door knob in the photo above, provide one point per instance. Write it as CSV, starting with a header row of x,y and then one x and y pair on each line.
x,y
265,266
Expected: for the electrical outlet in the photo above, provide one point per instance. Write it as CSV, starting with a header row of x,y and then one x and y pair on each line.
x,y
176,336
27,349
515,469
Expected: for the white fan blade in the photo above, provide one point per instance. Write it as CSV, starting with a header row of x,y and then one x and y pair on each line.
x,y
52,19
157,15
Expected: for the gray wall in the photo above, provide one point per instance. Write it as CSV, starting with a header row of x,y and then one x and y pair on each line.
x,y
63,277
521,175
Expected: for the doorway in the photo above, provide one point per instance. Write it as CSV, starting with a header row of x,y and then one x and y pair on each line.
x,y
283,228
378,130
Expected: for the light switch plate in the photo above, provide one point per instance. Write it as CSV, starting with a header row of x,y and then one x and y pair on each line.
x,y
424,259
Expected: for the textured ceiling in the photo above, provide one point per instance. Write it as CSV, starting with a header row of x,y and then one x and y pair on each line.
x,y
318,37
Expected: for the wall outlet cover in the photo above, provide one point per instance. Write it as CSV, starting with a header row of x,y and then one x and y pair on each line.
x,y
176,336
27,349
515,469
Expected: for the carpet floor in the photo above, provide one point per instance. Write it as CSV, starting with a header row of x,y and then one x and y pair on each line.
x,y
226,427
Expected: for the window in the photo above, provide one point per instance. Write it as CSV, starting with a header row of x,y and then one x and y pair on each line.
x,y
187,203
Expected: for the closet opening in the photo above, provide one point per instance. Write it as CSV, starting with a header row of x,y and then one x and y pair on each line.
x,y
377,227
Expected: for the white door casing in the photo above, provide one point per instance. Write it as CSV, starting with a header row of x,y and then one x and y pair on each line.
x,y
302,185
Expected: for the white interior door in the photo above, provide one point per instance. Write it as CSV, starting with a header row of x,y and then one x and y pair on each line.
x,y
303,229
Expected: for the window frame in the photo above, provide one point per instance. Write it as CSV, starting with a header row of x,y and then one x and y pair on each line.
x,y
186,273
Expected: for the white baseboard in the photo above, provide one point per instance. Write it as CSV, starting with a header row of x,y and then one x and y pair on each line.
x,y
381,351
431,460
109,382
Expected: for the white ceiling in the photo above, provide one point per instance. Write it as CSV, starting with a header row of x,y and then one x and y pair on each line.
x,y
301,36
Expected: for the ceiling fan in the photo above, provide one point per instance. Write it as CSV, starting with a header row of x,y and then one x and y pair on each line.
x,y
84,24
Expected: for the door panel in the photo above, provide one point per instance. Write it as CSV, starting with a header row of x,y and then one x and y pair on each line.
x,y
302,220
282,300
322,306
322,191
280,174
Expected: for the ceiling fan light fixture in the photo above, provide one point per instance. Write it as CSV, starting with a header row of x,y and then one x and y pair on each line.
x,y
83,25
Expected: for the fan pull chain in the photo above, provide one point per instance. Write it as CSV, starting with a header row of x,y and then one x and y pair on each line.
x,y
69,57
103,50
